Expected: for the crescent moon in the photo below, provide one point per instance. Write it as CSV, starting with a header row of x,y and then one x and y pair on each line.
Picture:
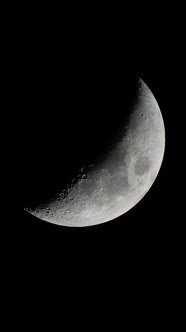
x,y
111,187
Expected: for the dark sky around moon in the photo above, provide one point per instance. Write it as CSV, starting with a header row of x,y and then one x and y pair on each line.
x,y
133,267
150,226
27,104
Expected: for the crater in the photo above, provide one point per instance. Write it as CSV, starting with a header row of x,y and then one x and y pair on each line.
x,y
141,166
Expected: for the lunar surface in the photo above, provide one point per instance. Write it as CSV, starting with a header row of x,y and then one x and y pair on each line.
x,y
107,189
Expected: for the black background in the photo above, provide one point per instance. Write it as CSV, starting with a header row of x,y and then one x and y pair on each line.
x,y
61,84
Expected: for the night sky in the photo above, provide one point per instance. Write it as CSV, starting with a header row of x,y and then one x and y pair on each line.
x,y
61,96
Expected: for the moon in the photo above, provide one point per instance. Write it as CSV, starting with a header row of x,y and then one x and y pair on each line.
x,y
120,178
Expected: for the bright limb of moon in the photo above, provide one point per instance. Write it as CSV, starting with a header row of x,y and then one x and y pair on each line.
x,y
110,188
